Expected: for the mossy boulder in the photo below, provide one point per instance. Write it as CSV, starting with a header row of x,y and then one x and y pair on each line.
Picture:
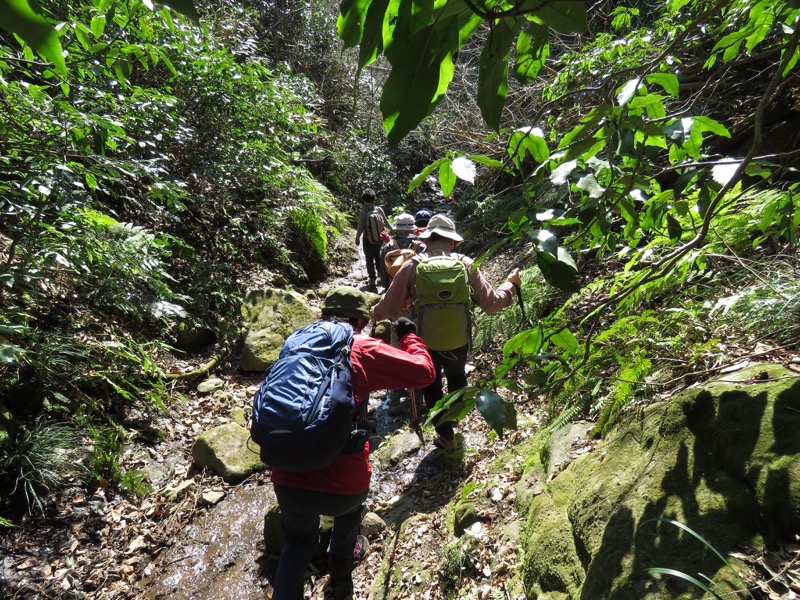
x,y
723,459
228,451
269,317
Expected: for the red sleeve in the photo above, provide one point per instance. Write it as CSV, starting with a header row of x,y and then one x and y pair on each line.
x,y
379,366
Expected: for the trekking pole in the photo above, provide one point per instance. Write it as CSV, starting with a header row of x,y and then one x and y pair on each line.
x,y
415,420
522,305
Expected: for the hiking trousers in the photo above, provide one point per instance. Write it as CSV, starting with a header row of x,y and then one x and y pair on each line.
x,y
450,365
300,516
372,254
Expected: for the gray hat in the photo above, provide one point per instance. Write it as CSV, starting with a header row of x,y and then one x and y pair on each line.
x,y
405,222
443,226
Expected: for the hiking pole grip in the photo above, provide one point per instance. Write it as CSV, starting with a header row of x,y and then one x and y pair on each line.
x,y
518,290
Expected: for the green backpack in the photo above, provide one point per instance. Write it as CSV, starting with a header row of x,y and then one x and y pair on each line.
x,y
444,301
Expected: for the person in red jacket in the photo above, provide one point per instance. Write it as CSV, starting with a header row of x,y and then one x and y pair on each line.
x,y
340,489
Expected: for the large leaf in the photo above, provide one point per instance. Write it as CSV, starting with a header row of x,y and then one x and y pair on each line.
x,y
350,23
447,178
23,18
493,409
422,67
185,7
410,94
454,406
528,140
556,264
493,72
372,34
566,16
533,48
464,168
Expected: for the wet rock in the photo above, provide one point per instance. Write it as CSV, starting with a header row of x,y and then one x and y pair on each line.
x,y
269,317
372,525
228,451
397,447
211,497
210,385
173,494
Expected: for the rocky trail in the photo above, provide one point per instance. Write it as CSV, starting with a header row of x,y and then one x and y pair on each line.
x,y
194,536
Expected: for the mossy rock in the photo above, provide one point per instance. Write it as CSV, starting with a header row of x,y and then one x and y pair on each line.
x,y
723,459
228,451
269,317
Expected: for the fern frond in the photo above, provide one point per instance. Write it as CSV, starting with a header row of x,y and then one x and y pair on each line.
x,y
629,377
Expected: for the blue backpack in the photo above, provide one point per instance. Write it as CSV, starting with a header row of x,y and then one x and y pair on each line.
x,y
304,411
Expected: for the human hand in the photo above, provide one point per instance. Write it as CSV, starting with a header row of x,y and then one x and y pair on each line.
x,y
515,278
403,326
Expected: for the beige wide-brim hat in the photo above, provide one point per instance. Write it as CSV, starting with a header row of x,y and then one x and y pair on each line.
x,y
442,225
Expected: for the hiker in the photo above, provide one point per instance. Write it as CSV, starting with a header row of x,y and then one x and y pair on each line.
x,y
405,239
404,297
340,489
421,218
371,222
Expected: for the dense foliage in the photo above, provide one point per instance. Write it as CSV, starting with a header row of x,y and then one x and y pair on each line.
x,y
148,164
624,157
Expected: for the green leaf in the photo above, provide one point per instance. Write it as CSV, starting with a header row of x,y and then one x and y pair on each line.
x,y
562,173
530,140
423,175
565,16
454,406
422,68
589,184
23,18
372,34
98,25
565,340
487,161
493,72
674,229
532,51
447,178
559,274
545,242
349,23
703,124
185,7
667,81
492,408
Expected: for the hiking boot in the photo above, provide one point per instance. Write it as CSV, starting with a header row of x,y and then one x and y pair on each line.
x,y
360,549
339,589
340,582
445,437
444,443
